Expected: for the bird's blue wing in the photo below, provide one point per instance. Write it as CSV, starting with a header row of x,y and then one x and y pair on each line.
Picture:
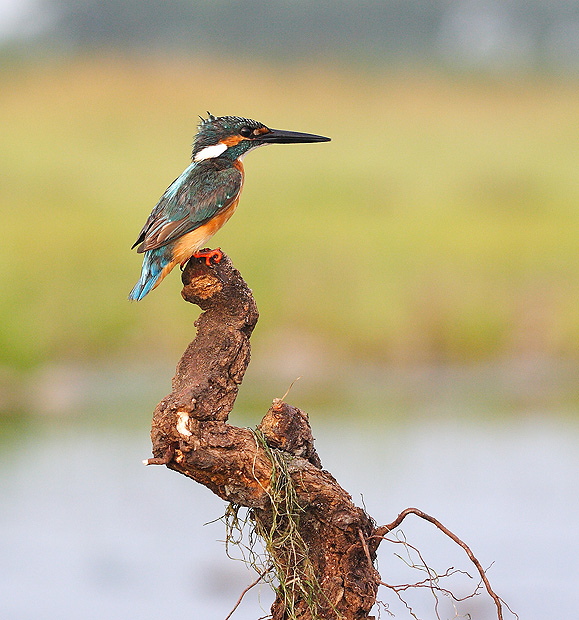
x,y
195,197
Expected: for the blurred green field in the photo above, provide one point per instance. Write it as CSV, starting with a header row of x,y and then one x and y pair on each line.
x,y
441,223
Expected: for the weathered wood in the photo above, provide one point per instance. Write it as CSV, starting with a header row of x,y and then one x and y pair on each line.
x,y
190,434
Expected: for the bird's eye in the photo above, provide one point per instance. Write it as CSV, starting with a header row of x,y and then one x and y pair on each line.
x,y
245,132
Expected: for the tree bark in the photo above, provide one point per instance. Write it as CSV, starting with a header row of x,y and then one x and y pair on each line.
x,y
329,573
320,545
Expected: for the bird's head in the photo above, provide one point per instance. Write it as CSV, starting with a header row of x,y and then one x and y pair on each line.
x,y
232,137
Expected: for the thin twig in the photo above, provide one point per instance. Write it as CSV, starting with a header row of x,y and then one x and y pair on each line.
x,y
422,584
290,387
384,529
365,547
259,578
431,581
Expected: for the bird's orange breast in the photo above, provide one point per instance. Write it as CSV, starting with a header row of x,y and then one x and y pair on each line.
x,y
192,242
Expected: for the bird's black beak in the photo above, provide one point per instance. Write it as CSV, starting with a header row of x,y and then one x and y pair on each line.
x,y
280,136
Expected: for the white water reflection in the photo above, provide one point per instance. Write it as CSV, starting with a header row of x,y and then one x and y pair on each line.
x,y
87,532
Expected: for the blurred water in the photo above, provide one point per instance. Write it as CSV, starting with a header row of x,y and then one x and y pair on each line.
x,y
86,531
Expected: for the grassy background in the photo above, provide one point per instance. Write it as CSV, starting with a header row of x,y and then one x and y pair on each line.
x,y
441,222
418,267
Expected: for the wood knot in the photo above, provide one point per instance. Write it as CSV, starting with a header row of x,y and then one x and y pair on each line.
x,y
287,428
203,287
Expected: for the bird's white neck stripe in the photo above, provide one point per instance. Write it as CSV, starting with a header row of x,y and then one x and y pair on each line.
x,y
209,152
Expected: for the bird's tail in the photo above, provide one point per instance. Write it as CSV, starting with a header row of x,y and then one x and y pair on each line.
x,y
156,265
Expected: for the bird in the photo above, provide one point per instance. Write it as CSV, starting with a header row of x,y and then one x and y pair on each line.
x,y
203,197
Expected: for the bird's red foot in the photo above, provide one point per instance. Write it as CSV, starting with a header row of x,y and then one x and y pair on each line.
x,y
216,254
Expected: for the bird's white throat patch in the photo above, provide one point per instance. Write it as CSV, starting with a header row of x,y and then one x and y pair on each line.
x,y
253,148
209,152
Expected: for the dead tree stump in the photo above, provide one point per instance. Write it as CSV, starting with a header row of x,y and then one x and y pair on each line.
x,y
320,546
326,569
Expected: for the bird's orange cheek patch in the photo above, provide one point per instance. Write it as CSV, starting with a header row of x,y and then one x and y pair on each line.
x,y
232,140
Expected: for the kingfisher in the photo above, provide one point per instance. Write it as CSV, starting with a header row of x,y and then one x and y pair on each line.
x,y
203,197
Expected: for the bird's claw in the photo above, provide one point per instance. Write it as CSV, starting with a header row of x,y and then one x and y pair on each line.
x,y
216,254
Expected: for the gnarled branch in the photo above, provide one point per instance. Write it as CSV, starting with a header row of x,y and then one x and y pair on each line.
x,y
321,546
191,435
